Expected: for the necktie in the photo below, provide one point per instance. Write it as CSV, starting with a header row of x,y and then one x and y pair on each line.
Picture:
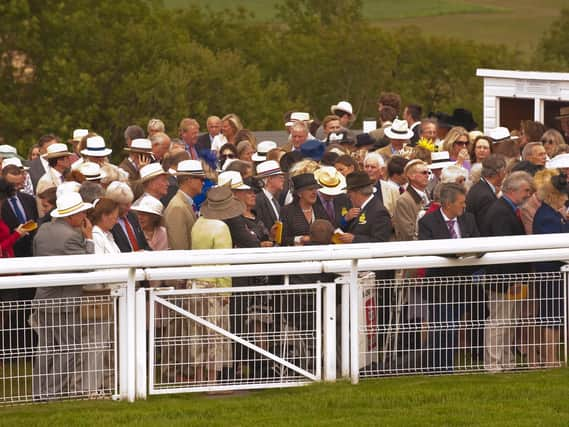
x,y
329,206
16,208
193,153
519,214
451,230
277,208
401,189
131,236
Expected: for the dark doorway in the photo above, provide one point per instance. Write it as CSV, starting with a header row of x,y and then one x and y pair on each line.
x,y
514,110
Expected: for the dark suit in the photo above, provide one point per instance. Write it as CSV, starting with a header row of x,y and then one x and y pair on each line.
x,y
294,221
479,198
416,128
36,171
241,235
23,247
265,211
341,204
204,142
373,224
445,300
121,239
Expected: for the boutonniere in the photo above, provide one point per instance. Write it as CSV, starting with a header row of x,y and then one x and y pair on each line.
x,y
344,211
362,219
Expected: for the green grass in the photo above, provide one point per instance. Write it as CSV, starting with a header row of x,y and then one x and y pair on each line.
x,y
522,399
516,23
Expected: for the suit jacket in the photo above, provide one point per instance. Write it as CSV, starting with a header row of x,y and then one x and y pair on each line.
x,y
432,227
59,238
416,128
405,216
121,239
36,171
264,210
241,235
501,220
294,221
373,224
341,204
387,195
479,198
133,178
172,190
204,142
386,152
23,247
179,218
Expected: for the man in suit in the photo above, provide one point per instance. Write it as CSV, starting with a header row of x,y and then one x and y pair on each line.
x,y
412,113
139,155
482,194
504,219
332,194
412,202
368,221
213,124
127,232
70,233
267,205
180,214
39,166
374,165
399,135
446,300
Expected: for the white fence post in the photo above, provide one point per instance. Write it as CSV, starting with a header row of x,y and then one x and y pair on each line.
x,y
127,353
345,329
354,323
329,316
140,327
565,296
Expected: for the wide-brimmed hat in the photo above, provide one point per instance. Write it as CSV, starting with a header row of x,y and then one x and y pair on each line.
x,y
151,171
8,152
95,147
263,148
440,160
561,161
56,150
339,138
233,179
332,181
358,179
78,135
148,204
69,203
191,168
304,181
399,129
268,168
140,145
500,134
344,106
91,171
463,117
15,161
563,112
298,116
313,149
220,204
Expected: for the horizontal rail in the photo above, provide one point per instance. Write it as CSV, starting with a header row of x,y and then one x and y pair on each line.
x,y
282,254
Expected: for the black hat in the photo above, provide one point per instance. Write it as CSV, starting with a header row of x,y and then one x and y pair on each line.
x,y
364,139
443,119
304,181
357,180
462,117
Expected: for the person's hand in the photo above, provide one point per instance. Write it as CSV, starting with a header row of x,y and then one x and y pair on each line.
x,y
462,156
20,230
345,237
266,244
304,240
87,228
143,160
352,213
273,232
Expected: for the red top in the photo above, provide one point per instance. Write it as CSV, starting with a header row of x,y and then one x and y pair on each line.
x,y
7,240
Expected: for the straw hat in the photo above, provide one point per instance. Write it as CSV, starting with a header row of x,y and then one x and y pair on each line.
x,y
95,147
78,134
332,181
263,148
399,130
151,171
500,134
91,171
561,161
13,161
344,106
268,168
140,145
56,150
148,204
191,167
220,204
232,178
8,152
440,160
69,203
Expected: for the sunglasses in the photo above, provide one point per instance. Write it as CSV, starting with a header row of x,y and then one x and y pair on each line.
x,y
424,172
460,143
228,156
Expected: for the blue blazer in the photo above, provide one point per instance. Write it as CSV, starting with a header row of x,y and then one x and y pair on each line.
x,y
547,221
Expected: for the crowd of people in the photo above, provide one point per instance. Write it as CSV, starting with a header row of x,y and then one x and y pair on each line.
x,y
413,177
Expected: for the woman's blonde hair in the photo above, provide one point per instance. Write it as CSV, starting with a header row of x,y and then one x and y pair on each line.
x,y
546,191
452,135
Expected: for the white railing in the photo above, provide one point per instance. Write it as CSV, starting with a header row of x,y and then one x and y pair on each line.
x,y
346,260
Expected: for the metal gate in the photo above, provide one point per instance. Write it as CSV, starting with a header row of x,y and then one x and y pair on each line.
x,y
223,339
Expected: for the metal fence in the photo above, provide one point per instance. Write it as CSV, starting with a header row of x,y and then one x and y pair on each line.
x,y
129,343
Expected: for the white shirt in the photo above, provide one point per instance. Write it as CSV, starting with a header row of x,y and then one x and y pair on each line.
x,y
272,202
218,142
104,242
364,204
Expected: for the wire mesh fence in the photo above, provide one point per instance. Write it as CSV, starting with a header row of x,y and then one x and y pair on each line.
x,y
58,349
470,323
238,337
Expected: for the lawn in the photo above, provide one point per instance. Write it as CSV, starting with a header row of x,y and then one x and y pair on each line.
x,y
521,399
516,23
